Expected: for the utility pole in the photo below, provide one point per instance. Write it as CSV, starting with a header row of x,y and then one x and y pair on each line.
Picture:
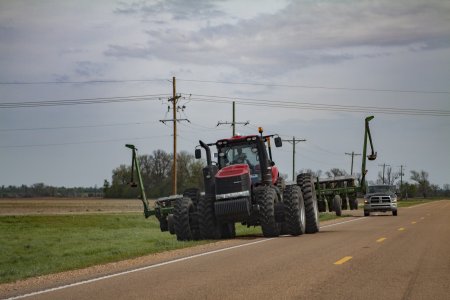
x,y
401,177
384,166
293,142
352,154
174,120
233,122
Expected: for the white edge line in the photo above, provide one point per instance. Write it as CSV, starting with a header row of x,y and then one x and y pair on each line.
x,y
157,265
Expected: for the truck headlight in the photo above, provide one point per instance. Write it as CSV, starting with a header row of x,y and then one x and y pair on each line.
x,y
366,201
394,199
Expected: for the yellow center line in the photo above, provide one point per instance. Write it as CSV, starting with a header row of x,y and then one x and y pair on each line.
x,y
381,240
413,222
401,229
343,260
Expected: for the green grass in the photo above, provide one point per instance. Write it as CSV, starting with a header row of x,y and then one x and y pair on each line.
x,y
39,245
407,203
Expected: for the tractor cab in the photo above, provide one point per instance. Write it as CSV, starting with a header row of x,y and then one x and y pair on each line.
x,y
243,163
240,154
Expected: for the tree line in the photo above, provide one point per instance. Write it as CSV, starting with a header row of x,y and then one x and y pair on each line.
x,y
156,171
42,190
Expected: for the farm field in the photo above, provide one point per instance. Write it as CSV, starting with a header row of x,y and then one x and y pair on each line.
x,y
50,206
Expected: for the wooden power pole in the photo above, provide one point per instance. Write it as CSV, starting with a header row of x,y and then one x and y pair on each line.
x,y
233,122
352,154
174,120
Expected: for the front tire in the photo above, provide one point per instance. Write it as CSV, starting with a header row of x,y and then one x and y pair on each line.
x,y
207,220
185,220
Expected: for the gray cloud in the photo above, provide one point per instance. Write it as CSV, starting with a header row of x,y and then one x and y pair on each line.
x,y
89,69
304,33
177,9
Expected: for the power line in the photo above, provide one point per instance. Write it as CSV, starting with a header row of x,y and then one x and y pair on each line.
x,y
79,82
75,127
266,84
317,87
101,100
320,106
82,142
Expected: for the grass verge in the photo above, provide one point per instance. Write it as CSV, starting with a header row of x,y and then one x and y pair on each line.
x,y
38,245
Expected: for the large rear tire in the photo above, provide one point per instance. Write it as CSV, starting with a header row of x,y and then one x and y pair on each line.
x,y
185,220
294,210
310,199
337,205
266,197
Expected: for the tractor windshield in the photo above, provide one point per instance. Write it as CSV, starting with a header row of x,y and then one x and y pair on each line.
x,y
243,153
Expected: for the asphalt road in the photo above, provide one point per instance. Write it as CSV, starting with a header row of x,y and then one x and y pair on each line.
x,y
376,257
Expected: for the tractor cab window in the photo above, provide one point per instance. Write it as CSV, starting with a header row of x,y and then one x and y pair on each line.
x,y
241,154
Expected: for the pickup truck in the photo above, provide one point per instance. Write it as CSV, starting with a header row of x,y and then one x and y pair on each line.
x,y
380,198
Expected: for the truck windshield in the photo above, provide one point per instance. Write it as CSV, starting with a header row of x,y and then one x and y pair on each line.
x,y
381,189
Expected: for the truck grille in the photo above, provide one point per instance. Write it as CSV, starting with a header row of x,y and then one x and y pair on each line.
x,y
380,199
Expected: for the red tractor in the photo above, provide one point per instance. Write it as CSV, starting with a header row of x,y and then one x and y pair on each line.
x,y
244,186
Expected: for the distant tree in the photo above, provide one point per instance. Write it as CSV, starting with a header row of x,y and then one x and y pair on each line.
x,y
316,174
390,176
334,172
423,185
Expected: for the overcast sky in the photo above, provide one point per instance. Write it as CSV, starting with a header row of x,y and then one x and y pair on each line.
x,y
335,62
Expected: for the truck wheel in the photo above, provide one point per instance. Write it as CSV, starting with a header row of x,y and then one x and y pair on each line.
x,y
366,213
394,212
207,221
294,210
266,197
310,199
337,205
185,219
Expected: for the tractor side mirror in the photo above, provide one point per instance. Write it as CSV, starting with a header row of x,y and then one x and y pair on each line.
x,y
198,153
278,142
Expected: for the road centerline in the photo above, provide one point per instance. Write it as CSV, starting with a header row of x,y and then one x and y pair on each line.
x,y
381,240
343,260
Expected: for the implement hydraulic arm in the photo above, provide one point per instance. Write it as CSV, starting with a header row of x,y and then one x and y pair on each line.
x,y
371,156
135,166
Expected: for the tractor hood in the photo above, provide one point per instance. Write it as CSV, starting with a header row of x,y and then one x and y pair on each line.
x,y
233,171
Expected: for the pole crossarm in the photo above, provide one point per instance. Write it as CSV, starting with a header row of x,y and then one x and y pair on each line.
x,y
294,142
